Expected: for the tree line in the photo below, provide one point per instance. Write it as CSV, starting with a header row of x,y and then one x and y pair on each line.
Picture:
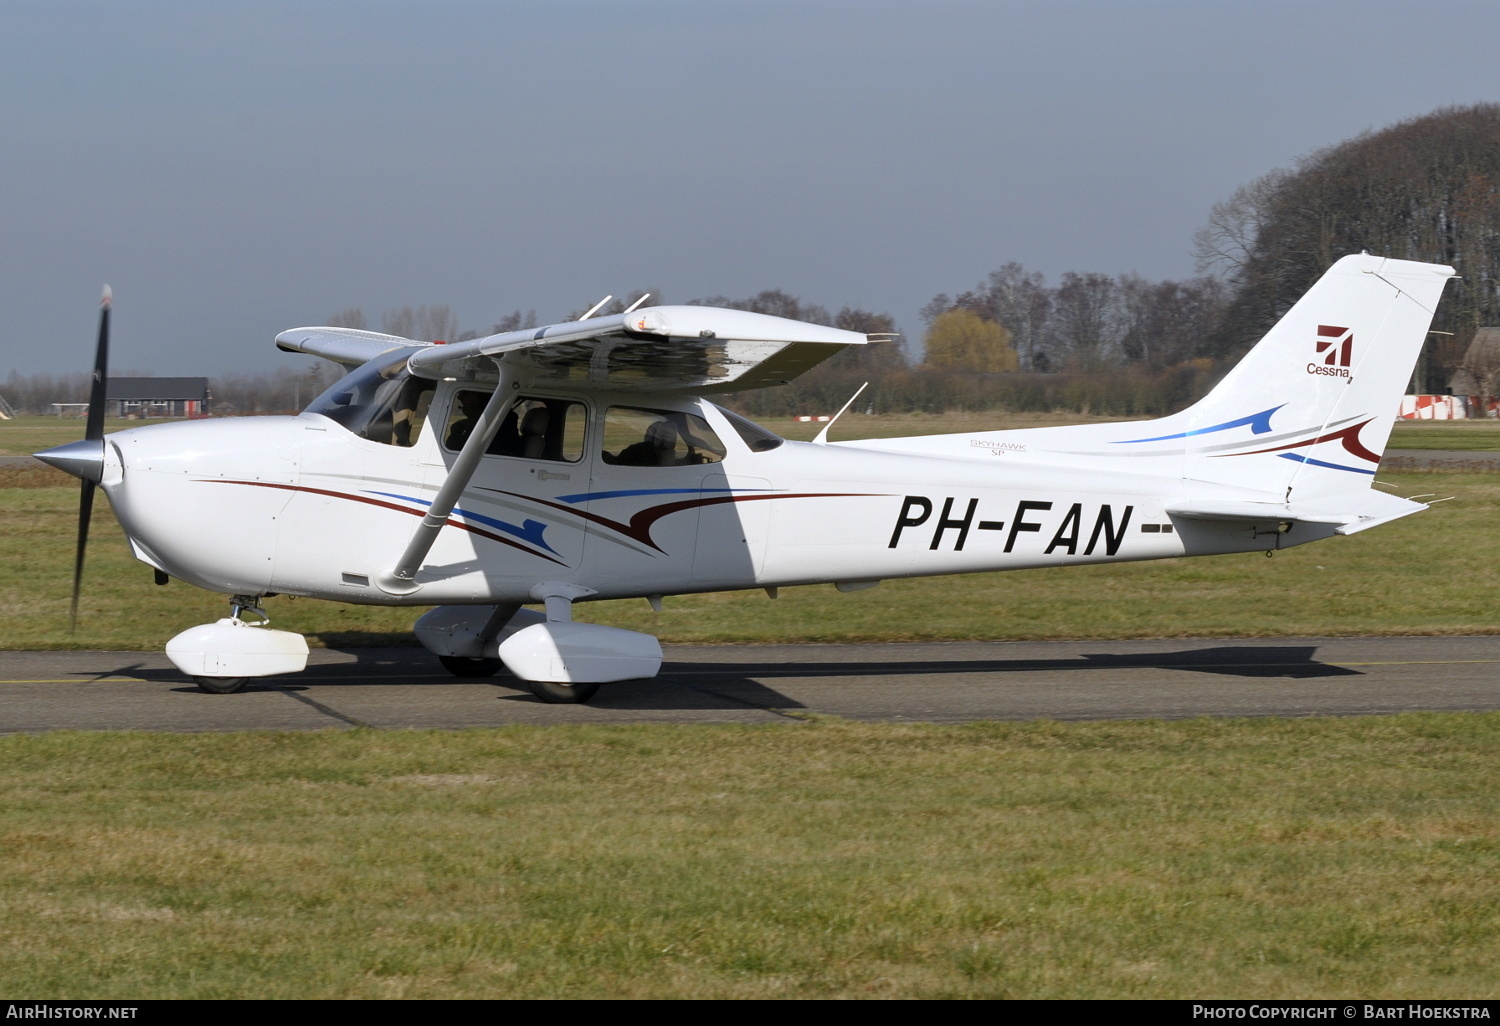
x,y
1424,189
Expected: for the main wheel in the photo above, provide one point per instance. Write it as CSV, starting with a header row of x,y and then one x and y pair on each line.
x,y
469,666
562,694
220,685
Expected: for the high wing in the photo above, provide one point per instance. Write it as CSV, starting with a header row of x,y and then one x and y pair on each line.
x,y
660,349
348,346
694,349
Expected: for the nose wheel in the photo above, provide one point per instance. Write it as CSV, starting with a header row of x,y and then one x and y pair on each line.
x,y
562,694
221,685
222,657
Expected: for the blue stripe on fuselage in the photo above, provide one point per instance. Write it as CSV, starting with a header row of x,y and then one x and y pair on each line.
x,y
1259,424
530,530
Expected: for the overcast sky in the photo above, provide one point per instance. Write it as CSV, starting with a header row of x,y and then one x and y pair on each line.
x,y
233,169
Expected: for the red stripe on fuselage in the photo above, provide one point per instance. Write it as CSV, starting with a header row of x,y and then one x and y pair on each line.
x,y
1349,437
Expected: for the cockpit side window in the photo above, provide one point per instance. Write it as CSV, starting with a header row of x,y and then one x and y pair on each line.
x,y
658,438
380,401
532,429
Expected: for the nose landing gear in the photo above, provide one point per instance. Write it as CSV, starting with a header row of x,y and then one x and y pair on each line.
x,y
222,656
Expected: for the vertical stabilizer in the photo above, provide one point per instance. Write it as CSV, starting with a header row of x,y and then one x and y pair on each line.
x,y
1308,411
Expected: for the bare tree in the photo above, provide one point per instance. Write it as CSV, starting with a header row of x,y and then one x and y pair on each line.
x,y
1087,318
1168,322
514,321
879,354
1021,301
772,301
1225,244
424,323
349,317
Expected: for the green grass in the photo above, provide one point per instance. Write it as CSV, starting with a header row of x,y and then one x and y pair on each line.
x,y
1269,859
1455,435
22,436
1426,574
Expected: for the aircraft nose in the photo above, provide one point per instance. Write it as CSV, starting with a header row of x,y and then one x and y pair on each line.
x,y
83,459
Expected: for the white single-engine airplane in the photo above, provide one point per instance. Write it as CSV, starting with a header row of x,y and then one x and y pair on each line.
x,y
580,461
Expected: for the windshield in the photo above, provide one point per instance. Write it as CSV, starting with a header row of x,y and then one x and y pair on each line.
x,y
380,401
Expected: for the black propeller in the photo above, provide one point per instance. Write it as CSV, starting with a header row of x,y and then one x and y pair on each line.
x,y
93,433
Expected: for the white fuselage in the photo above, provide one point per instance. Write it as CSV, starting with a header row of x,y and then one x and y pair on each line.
x,y
302,506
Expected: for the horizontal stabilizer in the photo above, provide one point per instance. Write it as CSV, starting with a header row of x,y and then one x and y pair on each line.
x,y
1350,513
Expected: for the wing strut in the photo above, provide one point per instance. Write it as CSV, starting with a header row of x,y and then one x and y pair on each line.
x,y
401,578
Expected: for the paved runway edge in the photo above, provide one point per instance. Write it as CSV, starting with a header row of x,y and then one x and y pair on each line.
x,y
942,683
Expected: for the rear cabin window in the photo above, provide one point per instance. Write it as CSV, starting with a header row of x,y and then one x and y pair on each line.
x,y
532,429
753,435
635,437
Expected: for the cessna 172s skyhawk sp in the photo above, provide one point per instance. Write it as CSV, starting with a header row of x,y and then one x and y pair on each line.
x,y
580,461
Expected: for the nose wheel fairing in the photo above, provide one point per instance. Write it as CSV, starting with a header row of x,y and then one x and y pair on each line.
x,y
221,655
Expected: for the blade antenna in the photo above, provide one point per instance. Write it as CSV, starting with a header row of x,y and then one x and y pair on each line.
x,y
644,296
93,432
595,308
822,438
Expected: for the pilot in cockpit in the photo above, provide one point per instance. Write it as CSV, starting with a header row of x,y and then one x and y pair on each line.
x,y
657,449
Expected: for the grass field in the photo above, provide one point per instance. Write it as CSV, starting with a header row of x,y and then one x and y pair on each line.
x,y
1330,858
1455,435
1426,574
1270,859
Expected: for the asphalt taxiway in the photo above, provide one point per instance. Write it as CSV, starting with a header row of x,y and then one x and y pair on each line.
x,y
396,688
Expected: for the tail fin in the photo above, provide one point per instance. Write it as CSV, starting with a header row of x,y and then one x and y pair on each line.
x,y
1310,408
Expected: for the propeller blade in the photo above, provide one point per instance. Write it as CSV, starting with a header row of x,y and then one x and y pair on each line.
x,y
93,432
85,513
94,429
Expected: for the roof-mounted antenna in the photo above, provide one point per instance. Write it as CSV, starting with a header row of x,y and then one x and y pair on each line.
x,y
595,308
644,296
822,438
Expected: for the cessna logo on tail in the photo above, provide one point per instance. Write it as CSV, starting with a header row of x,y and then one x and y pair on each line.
x,y
1336,346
